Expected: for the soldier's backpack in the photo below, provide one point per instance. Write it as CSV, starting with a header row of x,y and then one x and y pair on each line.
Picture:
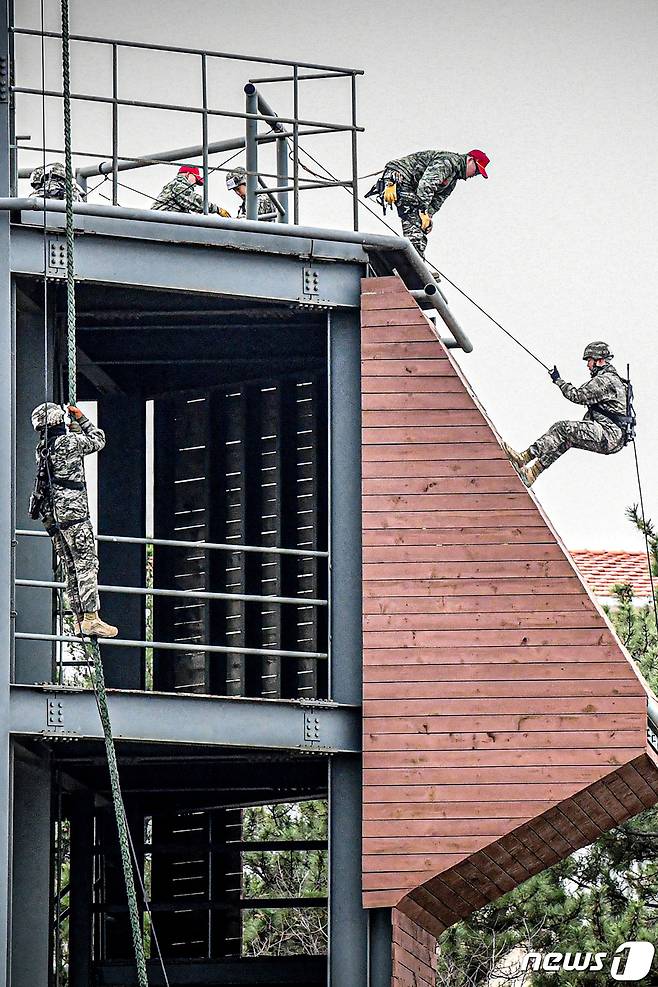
x,y
628,422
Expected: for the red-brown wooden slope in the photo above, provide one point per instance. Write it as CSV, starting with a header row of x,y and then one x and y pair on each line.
x,y
504,725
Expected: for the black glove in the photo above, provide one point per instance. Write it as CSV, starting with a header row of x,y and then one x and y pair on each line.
x,y
555,375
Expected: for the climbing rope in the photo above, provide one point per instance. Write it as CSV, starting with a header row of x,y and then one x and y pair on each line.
x,y
645,532
91,646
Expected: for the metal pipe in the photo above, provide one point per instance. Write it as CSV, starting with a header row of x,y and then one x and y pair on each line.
x,y
295,144
176,108
179,543
374,241
251,130
173,646
264,106
204,130
355,166
195,594
176,156
303,187
188,51
313,75
282,175
115,125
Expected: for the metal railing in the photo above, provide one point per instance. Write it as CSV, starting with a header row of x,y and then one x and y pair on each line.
x,y
198,594
257,111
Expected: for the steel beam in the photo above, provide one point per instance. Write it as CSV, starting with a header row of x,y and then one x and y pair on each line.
x,y
145,262
321,727
380,951
7,401
248,971
31,915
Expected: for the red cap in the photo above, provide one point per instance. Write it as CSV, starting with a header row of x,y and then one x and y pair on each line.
x,y
481,161
193,170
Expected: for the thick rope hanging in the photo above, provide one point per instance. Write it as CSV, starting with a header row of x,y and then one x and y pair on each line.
x,y
96,664
645,532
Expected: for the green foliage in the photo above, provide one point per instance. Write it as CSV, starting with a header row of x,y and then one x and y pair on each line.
x,y
593,901
284,874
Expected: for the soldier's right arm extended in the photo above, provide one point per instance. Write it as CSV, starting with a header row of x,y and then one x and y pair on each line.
x,y
596,389
91,439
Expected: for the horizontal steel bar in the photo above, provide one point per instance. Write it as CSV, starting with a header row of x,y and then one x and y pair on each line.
x,y
173,646
179,543
164,157
302,186
189,51
195,594
181,108
206,905
242,971
188,719
301,76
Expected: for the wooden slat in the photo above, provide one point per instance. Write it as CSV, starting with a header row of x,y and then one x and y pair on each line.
x,y
500,714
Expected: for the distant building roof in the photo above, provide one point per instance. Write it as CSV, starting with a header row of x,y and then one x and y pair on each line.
x,y
603,570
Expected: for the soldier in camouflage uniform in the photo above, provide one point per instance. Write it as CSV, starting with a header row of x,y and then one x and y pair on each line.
x,y
236,181
179,194
420,183
605,397
51,183
65,509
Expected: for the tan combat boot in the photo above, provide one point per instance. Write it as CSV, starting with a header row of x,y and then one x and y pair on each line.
x,y
530,473
518,458
93,626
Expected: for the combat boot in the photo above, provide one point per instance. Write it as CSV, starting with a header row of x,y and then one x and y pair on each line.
x,y
518,458
530,473
93,626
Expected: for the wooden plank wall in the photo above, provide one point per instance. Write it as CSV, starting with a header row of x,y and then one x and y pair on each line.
x,y
494,689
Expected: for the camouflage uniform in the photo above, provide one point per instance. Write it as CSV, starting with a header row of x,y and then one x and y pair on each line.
x,y
264,206
424,181
54,185
66,513
179,195
595,432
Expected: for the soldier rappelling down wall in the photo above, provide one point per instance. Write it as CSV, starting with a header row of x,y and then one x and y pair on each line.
x,y
179,194
606,428
418,185
51,183
236,181
60,501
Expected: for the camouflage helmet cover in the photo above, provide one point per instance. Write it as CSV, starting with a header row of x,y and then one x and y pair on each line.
x,y
598,350
47,414
53,170
236,177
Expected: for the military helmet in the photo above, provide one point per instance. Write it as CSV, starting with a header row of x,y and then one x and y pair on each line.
x,y
47,415
598,350
54,170
236,177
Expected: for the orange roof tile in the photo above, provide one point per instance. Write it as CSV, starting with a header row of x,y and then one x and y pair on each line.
x,y
603,570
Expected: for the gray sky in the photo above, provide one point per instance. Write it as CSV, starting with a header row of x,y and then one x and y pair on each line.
x,y
559,245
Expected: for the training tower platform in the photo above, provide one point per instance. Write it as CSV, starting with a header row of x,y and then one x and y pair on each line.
x,y
329,581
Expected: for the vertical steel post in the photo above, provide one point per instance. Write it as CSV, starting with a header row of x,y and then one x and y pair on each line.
x,y
380,947
251,130
355,165
204,119
295,143
115,125
348,925
282,176
6,487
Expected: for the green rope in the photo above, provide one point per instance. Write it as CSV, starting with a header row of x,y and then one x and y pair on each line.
x,y
98,678
70,267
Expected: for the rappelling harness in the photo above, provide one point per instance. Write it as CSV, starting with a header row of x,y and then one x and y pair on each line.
x,y
626,423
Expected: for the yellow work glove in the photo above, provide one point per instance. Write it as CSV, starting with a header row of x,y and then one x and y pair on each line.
x,y
425,221
391,195
223,213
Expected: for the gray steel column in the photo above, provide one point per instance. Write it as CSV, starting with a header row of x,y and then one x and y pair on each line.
x,y
30,907
282,176
380,971
6,475
34,557
348,925
122,511
251,130
81,894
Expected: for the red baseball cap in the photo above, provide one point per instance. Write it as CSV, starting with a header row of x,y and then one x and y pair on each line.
x,y
481,161
193,170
